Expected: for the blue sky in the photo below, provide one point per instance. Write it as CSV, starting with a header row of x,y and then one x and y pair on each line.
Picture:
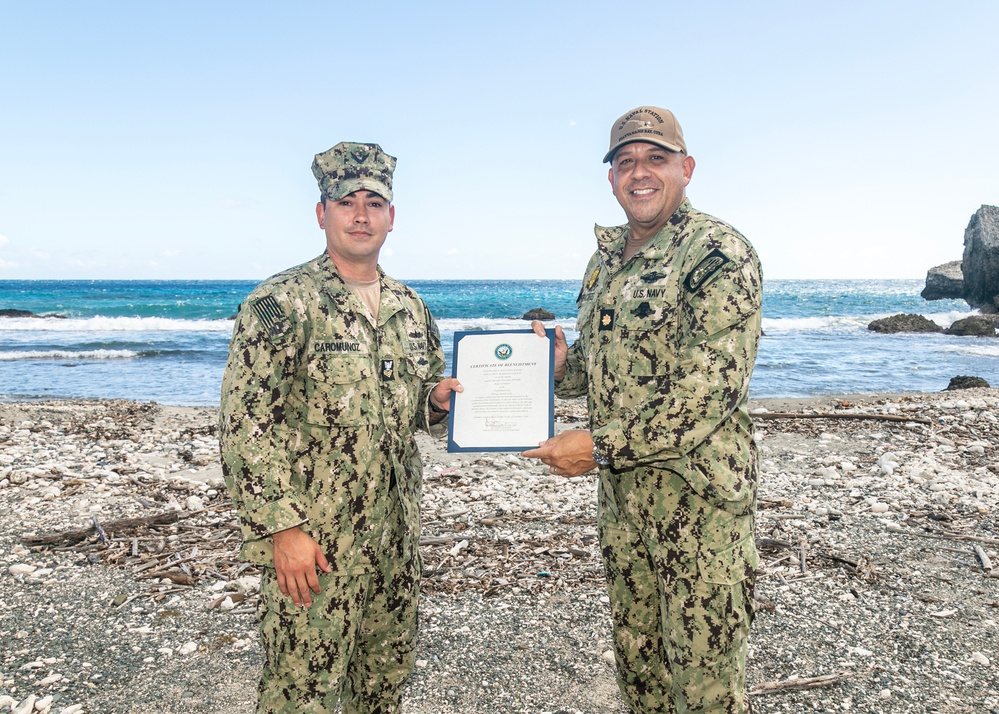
x,y
174,140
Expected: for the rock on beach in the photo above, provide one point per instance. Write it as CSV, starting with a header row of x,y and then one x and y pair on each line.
x,y
974,278
904,323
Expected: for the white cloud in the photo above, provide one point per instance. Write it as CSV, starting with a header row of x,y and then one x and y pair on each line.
x,y
171,253
453,251
4,240
4,264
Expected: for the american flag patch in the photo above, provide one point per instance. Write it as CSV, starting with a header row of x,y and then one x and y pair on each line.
x,y
268,310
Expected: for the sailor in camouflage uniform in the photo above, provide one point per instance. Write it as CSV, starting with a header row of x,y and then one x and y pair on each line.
x,y
332,367
669,323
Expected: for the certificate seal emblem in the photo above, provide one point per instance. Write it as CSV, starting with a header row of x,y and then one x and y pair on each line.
x,y
504,351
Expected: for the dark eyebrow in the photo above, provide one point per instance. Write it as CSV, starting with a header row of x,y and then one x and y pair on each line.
x,y
368,195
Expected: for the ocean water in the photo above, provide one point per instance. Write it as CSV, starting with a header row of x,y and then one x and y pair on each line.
x,y
166,341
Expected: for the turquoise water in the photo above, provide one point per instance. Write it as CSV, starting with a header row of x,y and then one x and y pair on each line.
x,y
166,340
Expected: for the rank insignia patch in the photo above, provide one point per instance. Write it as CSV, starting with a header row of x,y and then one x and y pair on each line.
x,y
705,269
606,320
593,278
359,152
388,370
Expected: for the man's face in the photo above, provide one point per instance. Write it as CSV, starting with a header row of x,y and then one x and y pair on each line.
x,y
356,226
649,181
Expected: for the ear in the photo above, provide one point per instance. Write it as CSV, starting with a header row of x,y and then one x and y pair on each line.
x,y
321,214
391,217
688,169
610,177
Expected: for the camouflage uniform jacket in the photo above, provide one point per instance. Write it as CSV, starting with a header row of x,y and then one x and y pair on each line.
x,y
318,413
666,346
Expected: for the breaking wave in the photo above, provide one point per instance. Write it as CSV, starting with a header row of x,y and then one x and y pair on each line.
x,y
13,355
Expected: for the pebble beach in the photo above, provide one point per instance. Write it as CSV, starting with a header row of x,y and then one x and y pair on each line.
x,y
878,588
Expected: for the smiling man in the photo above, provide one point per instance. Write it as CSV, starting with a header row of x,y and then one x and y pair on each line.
x,y
333,366
669,322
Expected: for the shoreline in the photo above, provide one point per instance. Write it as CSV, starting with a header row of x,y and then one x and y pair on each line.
x,y
754,402
867,531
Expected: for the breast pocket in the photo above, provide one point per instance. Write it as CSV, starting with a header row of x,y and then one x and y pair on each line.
x,y
414,370
646,332
340,391
417,367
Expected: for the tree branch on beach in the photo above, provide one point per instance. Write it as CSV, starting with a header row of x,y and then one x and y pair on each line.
x,y
831,415
798,684
71,537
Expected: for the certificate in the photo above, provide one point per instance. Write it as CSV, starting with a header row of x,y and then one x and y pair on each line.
x,y
509,398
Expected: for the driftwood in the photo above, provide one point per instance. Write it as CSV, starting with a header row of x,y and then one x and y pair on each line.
x,y
833,415
76,535
442,540
950,536
984,558
178,577
100,531
800,553
799,684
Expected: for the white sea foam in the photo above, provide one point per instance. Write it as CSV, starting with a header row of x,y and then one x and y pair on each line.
x,y
469,324
837,323
847,323
946,319
978,347
13,355
113,324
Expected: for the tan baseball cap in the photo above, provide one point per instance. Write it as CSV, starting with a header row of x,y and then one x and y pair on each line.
x,y
651,124
350,166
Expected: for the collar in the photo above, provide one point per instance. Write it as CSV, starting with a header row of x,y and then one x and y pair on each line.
x,y
611,240
333,283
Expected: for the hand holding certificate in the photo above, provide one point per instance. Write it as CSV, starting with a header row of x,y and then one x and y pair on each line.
x,y
508,402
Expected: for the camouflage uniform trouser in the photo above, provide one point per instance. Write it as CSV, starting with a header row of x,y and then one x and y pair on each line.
x,y
680,576
356,642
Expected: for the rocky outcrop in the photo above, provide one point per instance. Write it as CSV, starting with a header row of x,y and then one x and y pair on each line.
x,y
981,260
11,312
944,282
539,313
966,382
904,323
975,278
975,326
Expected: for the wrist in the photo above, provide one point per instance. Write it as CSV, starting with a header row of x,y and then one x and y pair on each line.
x,y
287,534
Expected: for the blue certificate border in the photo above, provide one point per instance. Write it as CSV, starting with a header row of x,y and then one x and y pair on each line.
x,y
452,447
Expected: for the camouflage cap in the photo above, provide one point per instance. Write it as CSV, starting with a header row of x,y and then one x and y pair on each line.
x,y
651,124
350,166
